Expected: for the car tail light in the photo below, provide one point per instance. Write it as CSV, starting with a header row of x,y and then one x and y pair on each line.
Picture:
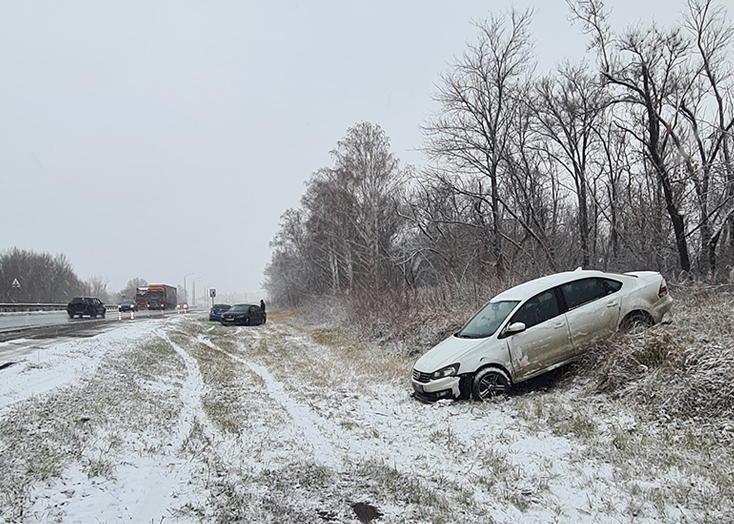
x,y
663,290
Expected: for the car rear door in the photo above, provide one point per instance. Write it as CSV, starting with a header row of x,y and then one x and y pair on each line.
x,y
592,309
546,340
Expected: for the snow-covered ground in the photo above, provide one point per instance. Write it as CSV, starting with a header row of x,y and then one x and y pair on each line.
x,y
179,420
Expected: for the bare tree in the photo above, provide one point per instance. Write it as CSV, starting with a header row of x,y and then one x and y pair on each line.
x,y
469,136
569,107
96,286
709,113
647,70
129,290
42,277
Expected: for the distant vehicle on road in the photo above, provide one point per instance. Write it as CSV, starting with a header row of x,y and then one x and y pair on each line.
x,y
536,327
244,315
85,307
215,313
127,305
141,297
183,308
161,296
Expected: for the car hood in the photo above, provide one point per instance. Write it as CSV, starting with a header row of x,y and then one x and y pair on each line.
x,y
447,352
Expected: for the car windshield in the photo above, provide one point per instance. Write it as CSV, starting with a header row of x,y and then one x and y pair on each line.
x,y
238,307
489,318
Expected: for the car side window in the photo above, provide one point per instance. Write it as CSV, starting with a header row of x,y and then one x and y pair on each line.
x,y
538,309
612,285
583,291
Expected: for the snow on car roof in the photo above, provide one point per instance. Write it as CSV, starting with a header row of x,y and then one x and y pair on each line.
x,y
533,287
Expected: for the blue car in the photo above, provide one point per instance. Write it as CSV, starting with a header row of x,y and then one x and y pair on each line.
x,y
215,313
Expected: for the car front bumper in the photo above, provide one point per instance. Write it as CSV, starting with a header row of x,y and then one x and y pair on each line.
x,y
232,321
437,389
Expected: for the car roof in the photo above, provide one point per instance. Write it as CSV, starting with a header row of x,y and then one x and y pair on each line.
x,y
533,287
248,305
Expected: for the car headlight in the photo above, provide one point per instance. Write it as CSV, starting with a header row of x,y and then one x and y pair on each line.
x,y
448,371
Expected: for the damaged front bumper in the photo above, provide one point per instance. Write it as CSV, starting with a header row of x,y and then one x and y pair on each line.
x,y
437,389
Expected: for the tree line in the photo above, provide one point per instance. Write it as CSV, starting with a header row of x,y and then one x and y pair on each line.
x,y
50,279
618,165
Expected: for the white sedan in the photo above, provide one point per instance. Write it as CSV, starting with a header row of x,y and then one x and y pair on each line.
x,y
536,327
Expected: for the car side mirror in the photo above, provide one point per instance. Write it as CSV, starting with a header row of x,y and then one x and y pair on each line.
x,y
515,327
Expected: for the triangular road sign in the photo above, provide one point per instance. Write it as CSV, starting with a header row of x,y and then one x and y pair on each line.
x,y
15,283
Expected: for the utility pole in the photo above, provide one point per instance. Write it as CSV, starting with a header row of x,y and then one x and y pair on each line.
x,y
193,290
186,290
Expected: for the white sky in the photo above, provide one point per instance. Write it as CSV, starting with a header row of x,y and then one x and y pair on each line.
x,y
185,129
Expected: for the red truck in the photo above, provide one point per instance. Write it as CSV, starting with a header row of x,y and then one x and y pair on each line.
x,y
161,296
156,296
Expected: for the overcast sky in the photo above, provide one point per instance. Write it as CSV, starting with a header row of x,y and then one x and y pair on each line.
x,y
155,139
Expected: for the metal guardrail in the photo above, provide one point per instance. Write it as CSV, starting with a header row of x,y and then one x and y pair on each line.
x,y
13,307
20,307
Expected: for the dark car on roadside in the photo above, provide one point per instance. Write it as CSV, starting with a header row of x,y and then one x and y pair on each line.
x,y
215,313
85,307
244,315
127,304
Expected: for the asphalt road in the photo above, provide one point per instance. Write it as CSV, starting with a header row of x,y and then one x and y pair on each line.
x,y
16,321
21,333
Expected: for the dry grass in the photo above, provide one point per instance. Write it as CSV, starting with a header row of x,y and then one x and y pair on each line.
x,y
684,369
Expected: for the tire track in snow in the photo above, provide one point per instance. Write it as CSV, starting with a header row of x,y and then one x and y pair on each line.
x,y
192,391
302,416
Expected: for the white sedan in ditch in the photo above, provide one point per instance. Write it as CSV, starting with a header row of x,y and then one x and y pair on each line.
x,y
536,327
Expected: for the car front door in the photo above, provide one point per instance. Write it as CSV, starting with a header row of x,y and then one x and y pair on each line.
x,y
592,309
545,341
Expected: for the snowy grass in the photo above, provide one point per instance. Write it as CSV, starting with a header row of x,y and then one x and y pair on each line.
x,y
87,423
292,422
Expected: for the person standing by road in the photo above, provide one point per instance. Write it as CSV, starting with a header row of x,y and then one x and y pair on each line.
x,y
262,306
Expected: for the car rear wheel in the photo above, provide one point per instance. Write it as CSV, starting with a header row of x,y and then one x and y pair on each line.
x,y
636,319
489,383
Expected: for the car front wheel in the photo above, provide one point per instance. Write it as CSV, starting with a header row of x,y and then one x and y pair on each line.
x,y
489,383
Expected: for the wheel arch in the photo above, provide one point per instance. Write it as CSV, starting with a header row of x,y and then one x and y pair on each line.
x,y
636,313
493,365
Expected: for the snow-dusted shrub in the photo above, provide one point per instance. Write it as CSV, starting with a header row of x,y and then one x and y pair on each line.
x,y
684,368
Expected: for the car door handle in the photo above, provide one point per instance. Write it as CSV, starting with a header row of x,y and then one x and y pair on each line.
x,y
613,303
559,325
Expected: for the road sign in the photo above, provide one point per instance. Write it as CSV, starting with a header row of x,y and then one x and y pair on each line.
x,y
212,292
15,283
